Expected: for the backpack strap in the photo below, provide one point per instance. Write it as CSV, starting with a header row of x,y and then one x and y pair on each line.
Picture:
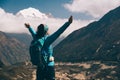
x,y
43,52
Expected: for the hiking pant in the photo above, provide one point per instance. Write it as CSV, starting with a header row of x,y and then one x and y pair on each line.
x,y
46,73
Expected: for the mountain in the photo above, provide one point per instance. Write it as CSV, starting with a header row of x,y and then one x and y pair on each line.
x,y
100,40
26,38
22,37
1,11
11,50
31,12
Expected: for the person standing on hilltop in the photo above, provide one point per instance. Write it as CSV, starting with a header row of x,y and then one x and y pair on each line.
x,y
41,37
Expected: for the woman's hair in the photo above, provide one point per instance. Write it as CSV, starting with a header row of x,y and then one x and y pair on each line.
x,y
41,30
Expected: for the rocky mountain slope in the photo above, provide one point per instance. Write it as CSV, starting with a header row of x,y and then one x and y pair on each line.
x,y
11,50
97,41
22,37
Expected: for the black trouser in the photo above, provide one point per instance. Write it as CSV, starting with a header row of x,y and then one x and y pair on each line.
x,y
46,73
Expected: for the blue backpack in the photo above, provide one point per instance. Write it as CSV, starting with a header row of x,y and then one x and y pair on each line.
x,y
36,56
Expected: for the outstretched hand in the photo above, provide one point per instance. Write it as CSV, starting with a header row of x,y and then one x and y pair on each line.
x,y
70,19
27,25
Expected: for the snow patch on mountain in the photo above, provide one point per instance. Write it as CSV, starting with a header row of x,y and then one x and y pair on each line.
x,y
32,12
2,11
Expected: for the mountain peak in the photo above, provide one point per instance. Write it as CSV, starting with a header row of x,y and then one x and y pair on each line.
x,y
2,11
31,12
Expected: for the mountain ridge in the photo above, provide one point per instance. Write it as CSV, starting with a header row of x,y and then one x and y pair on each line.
x,y
94,41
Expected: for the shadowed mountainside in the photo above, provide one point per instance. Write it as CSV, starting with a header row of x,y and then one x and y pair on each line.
x,y
22,37
11,50
99,40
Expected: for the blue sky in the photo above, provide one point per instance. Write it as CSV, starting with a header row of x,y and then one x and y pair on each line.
x,y
55,7
80,9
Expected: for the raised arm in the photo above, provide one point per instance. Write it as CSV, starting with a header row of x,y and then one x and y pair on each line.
x,y
55,35
31,30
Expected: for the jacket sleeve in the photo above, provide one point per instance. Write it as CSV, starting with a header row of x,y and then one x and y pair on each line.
x,y
55,35
32,31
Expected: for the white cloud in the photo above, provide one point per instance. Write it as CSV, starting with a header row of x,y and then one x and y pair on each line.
x,y
95,8
15,24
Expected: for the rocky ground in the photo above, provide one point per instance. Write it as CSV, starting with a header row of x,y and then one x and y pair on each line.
x,y
65,71
88,71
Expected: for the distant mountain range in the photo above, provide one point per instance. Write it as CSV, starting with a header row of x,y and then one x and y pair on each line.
x,y
11,50
100,40
22,37
26,38
14,47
